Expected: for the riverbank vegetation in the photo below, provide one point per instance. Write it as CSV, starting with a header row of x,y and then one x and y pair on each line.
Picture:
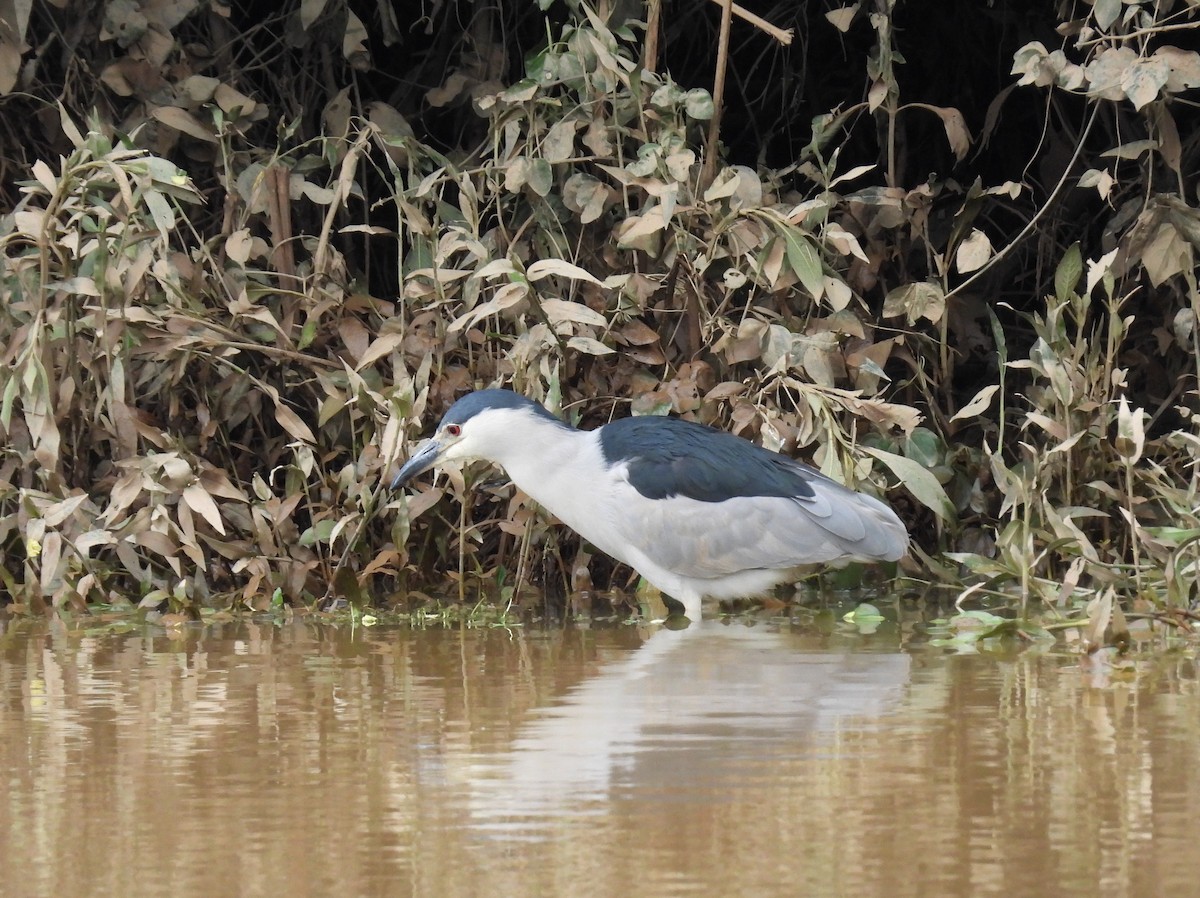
x,y
249,251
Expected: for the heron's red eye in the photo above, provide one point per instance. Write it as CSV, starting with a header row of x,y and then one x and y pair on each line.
x,y
453,429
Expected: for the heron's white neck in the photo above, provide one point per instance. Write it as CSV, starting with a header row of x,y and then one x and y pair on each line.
x,y
560,468
540,454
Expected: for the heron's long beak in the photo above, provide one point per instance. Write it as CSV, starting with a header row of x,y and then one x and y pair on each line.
x,y
422,460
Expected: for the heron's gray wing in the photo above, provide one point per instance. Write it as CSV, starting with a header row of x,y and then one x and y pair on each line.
x,y
705,503
715,539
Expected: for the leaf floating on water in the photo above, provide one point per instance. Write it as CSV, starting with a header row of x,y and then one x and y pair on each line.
x,y
865,618
864,612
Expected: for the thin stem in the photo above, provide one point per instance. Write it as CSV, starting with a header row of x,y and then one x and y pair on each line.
x,y
714,125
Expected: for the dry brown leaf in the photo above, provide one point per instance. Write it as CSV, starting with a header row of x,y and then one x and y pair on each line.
x,y
355,335
217,483
292,423
506,298
773,272
873,355
56,514
198,499
419,503
876,94
561,311
50,559
123,494
559,143
589,346
182,120
918,300
85,542
238,245
637,333
263,533
155,541
842,17
979,404
973,253
198,88
231,100
646,355
957,133
640,231
384,346
10,61
546,267
1166,255
724,391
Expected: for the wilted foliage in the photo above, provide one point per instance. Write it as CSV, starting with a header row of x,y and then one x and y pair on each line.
x,y
241,287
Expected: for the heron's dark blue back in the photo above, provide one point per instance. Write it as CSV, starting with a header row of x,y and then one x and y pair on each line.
x,y
671,457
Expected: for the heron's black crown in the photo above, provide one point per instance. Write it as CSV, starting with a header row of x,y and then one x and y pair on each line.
x,y
481,400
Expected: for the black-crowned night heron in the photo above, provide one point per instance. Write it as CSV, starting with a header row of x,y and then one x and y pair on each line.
x,y
696,511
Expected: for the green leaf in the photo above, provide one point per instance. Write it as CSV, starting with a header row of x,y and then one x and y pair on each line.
x,y
1106,12
160,211
521,92
804,261
925,447
308,333
318,533
970,627
6,405
666,96
541,177
863,612
919,481
1066,276
1174,535
698,103
647,161
535,63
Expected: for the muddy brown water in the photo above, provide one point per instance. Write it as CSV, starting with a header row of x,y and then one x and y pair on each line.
x,y
756,758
